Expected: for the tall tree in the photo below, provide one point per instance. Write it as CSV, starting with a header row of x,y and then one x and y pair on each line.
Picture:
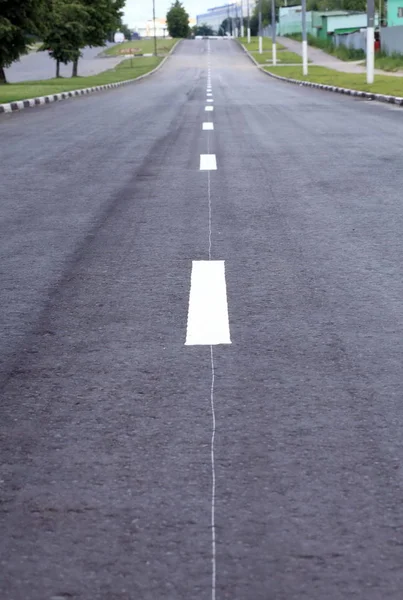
x,y
19,19
178,20
103,18
65,30
125,29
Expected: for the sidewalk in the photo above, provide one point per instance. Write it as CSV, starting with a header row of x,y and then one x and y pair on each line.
x,y
320,58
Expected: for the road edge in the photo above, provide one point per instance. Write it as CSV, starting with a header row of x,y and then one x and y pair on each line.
x,y
19,105
329,88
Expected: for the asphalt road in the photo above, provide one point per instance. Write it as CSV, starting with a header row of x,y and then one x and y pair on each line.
x,y
39,65
106,429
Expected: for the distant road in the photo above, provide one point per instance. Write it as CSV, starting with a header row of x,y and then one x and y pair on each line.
x,y
39,65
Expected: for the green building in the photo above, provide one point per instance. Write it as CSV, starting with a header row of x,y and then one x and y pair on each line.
x,y
322,24
395,12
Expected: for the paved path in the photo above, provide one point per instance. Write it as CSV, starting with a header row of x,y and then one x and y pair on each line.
x,y
106,415
321,58
39,65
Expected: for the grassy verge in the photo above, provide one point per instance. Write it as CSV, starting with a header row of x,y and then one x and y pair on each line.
x,y
394,62
392,86
283,56
141,47
128,69
341,52
254,44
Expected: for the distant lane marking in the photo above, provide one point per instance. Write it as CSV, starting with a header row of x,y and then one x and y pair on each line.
x,y
209,108
209,93
208,323
210,100
208,126
208,162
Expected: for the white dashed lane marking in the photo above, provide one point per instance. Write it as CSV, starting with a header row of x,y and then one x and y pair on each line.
x,y
209,108
208,162
208,323
208,126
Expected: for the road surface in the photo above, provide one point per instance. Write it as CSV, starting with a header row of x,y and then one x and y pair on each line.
x,y
39,65
136,466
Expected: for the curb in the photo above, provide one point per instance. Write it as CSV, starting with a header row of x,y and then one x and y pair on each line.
x,y
330,88
21,104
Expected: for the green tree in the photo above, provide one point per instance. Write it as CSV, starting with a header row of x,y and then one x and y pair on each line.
x,y
18,21
203,29
125,30
65,30
102,18
178,20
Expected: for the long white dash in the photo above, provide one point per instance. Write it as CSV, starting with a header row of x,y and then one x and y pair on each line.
x,y
208,162
208,323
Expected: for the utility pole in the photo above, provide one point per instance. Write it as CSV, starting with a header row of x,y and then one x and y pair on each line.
x,y
273,32
260,28
304,40
155,30
242,26
248,22
370,40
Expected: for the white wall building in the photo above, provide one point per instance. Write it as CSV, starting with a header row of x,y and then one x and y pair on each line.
x,y
146,28
215,16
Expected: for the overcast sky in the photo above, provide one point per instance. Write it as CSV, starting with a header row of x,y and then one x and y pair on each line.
x,y
141,10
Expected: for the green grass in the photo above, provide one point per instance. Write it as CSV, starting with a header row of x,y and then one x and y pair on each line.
x,y
254,44
141,47
283,56
394,62
341,52
392,86
32,89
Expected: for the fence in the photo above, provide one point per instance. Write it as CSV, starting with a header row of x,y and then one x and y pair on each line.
x,y
392,39
356,40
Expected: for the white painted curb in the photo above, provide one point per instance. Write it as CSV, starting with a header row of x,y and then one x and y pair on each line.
x,y
21,104
330,88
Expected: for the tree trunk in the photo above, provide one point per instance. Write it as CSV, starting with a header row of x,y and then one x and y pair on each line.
x,y
57,69
75,68
2,76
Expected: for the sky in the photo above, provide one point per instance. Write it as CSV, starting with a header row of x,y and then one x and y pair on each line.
x,y
141,10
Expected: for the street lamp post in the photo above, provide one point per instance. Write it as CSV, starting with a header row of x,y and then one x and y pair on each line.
x,y
155,30
273,32
304,40
370,40
260,28
242,25
248,22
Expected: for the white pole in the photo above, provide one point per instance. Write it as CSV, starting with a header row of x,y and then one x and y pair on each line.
x,y
305,57
370,54
260,28
242,25
273,32
304,40
370,40
248,23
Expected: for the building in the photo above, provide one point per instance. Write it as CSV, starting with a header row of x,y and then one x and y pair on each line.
x,y
330,23
146,28
394,13
324,24
215,16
